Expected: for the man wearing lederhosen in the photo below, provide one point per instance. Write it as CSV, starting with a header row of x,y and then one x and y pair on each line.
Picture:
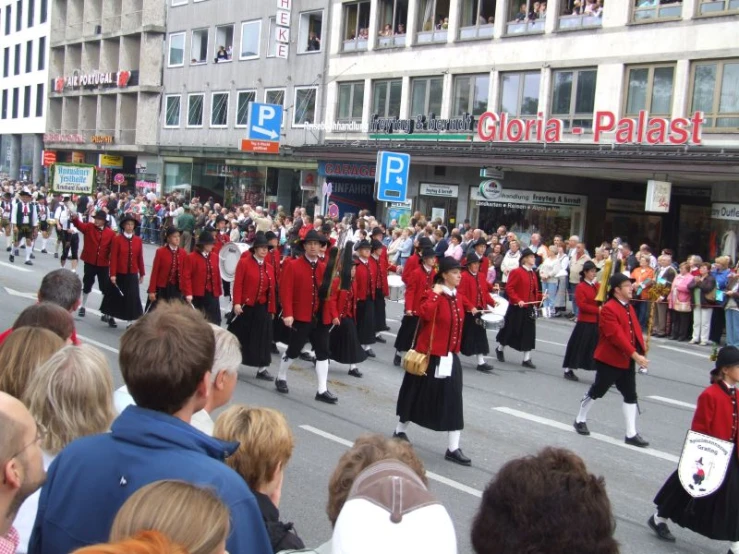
x,y
95,253
6,210
25,222
67,234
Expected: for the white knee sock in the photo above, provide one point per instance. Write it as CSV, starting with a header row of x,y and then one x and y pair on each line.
x,y
658,519
261,369
366,346
352,366
630,416
306,348
480,359
585,404
322,374
284,365
527,356
84,300
454,437
401,427
43,243
500,348
29,251
734,547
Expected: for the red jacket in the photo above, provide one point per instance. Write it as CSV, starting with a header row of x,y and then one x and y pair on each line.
x,y
274,258
715,412
411,264
196,275
384,268
98,243
522,285
418,283
587,307
168,267
299,289
474,291
221,240
448,313
615,345
127,256
366,280
255,284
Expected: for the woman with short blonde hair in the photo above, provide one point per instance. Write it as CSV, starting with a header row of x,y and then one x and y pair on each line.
x,y
22,352
146,542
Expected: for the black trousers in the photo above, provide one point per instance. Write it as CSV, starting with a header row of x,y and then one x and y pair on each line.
x,y
302,332
70,242
88,279
606,376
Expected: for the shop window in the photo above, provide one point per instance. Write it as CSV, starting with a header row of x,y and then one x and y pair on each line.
x,y
426,95
6,61
219,109
40,100
31,12
243,99
224,43
29,56
715,86
250,34
310,32
587,13
356,26
648,10
27,101
176,56
41,53
471,94
172,105
276,96
393,18
526,16
386,97
573,98
272,45
650,88
433,21
477,19
718,7
519,94
199,47
4,105
179,2
304,106
17,60
195,110
351,100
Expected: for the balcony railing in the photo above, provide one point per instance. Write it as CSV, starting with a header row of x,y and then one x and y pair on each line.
x,y
525,27
714,7
356,45
429,37
579,21
660,11
476,31
395,41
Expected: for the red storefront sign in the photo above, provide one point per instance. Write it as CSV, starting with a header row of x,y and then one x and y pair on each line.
x,y
48,157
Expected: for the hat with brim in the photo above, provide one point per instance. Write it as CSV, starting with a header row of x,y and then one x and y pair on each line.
x,y
377,245
428,253
473,258
171,230
617,279
587,266
376,231
126,218
728,356
205,237
424,242
186,207
26,192
525,253
313,236
220,219
363,244
100,214
269,235
480,242
447,264
7,195
260,241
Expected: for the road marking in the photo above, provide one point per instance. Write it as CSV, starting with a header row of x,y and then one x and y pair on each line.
x,y
13,266
28,295
393,320
550,342
596,436
388,334
674,402
98,344
683,351
431,475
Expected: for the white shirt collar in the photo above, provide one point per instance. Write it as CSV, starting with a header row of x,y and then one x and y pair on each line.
x,y
448,291
128,236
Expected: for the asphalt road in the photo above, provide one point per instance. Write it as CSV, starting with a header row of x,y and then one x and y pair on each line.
x,y
511,413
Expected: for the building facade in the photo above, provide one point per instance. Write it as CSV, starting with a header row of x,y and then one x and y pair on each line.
x,y
24,35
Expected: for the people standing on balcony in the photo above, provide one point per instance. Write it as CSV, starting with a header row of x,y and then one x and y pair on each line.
x,y
522,13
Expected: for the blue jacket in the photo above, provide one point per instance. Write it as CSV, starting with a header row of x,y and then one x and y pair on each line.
x,y
91,479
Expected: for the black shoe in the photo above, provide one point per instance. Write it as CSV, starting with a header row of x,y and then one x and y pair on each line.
x,y
305,356
663,532
28,262
386,328
104,318
529,364
570,375
381,339
458,457
81,313
112,323
371,353
33,256
327,397
9,248
485,368
275,350
397,360
636,440
281,386
264,375
12,259
44,251
56,255
354,372
500,355
401,437
581,427
23,246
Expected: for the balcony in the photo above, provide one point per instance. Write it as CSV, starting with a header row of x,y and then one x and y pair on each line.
x,y
651,9
717,7
476,32
574,22
356,44
396,41
525,27
430,37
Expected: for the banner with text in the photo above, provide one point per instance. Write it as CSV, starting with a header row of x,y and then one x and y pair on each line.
x,y
73,178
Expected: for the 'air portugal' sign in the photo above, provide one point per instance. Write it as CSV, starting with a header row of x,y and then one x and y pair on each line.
x,y
643,129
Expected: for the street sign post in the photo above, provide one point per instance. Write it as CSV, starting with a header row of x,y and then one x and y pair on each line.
x,y
263,128
391,176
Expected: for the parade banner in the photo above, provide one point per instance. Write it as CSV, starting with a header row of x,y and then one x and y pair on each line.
x,y
703,464
73,178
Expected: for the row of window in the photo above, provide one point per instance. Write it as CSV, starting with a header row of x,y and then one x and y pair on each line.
x,y
10,102
40,59
30,14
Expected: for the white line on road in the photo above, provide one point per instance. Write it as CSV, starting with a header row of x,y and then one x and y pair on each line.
x,y
683,351
98,344
13,266
388,334
28,295
431,475
393,320
550,342
674,402
596,436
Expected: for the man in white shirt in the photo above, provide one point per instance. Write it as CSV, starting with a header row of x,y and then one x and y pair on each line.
x,y
25,221
67,233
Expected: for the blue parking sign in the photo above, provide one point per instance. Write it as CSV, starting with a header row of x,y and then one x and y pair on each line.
x,y
391,176
265,121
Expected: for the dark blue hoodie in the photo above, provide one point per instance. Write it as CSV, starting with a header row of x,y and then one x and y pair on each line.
x,y
91,479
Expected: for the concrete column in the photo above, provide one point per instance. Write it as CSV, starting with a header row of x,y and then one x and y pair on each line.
x,y
15,156
553,11
680,89
500,19
38,146
373,30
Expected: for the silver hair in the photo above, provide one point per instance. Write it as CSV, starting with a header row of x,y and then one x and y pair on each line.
x,y
228,352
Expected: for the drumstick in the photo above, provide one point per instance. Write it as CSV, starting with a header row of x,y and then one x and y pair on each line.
x,y
119,290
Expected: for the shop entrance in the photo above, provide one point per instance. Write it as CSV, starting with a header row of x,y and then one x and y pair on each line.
x,y
433,207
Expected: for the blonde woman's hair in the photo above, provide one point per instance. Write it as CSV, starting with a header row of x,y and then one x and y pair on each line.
x,y
146,542
71,395
189,515
22,352
724,261
265,440
228,352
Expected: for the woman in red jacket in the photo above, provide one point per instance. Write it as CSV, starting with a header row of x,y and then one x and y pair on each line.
x,y
715,516
166,273
366,279
434,401
474,292
201,280
584,338
343,338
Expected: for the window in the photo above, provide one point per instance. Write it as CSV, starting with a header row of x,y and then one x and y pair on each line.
x,y
471,94
393,18
242,106
41,53
176,50
17,61
199,46
715,86
27,101
7,19
426,96
4,107
40,100
6,61
519,94
15,103
386,98
219,109
718,7
272,45
44,11
31,12
179,2
433,20
573,98
250,33
522,18
29,56
646,10
19,15
650,89
351,99
224,43
172,110
587,14
195,110
477,17
356,26
310,32
305,106
275,96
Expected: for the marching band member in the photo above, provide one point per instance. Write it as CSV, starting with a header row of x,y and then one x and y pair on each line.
x,y
473,289
201,278
43,224
382,266
274,258
222,237
366,289
434,401
343,338
584,337
126,274
25,222
95,253
480,247
67,234
416,260
166,273
6,211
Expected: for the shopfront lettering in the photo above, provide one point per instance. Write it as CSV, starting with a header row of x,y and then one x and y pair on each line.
x,y
510,197
94,79
353,188
724,211
338,169
56,137
422,123
502,128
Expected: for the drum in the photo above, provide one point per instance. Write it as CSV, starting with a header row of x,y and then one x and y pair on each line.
x,y
229,258
501,305
396,285
492,322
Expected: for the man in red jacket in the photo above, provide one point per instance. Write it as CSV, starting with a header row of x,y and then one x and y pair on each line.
x,y
95,253
620,348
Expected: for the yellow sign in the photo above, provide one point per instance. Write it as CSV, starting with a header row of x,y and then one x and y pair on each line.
x,y
102,139
78,157
106,160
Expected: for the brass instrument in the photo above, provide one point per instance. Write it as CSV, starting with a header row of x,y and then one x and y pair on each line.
x,y
605,277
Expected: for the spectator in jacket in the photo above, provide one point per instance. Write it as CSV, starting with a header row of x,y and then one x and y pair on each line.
x,y
721,273
664,275
731,306
628,260
454,250
643,279
680,304
166,359
702,287
578,257
511,260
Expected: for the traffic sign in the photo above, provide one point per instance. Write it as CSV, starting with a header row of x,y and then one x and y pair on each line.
x,y
119,179
265,121
391,176
333,211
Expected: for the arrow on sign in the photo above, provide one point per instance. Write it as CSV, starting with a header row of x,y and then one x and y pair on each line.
x,y
271,134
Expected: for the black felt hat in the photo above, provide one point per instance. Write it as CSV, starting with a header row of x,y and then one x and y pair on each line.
x,y
313,235
205,237
171,230
100,214
428,253
363,244
728,356
587,266
126,218
377,245
260,241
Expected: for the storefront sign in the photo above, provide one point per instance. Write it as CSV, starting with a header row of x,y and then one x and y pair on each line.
x,y
48,157
422,123
400,212
101,139
235,171
491,190
444,191
347,170
147,185
620,205
57,137
658,196
106,160
94,79
73,178
729,212
438,214
308,180
352,195
510,198
282,31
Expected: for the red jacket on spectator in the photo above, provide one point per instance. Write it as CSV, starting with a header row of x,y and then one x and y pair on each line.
x,y
168,267
418,283
127,256
98,243
196,275
255,283
586,305
616,342
474,291
299,289
522,285
448,313
366,279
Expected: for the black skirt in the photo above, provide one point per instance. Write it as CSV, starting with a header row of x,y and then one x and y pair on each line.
x,y
380,320
474,337
715,516
520,329
366,321
169,293
125,306
433,403
406,333
210,306
253,328
581,346
344,343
